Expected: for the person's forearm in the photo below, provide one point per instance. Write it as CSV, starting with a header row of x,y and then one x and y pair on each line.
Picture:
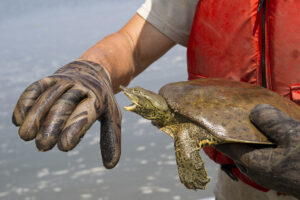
x,y
129,51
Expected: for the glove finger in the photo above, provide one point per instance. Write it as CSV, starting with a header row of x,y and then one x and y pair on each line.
x,y
248,157
84,115
28,98
278,126
110,142
37,113
57,117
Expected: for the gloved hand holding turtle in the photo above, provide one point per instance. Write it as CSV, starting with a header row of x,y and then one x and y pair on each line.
x,y
215,111
59,109
277,168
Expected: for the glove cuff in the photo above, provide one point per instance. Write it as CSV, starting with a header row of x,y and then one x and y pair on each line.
x,y
94,65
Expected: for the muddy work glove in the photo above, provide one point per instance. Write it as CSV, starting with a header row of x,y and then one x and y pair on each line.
x,y
278,167
59,109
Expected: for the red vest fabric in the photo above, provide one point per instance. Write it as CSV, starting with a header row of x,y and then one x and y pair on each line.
x,y
226,41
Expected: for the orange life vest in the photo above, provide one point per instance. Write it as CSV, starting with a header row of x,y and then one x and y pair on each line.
x,y
253,41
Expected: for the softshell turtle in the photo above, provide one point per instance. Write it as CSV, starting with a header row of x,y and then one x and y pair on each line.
x,y
205,112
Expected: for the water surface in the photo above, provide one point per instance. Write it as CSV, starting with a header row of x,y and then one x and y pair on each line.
x,y
37,37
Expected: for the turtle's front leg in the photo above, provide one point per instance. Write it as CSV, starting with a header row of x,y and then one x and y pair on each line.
x,y
190,165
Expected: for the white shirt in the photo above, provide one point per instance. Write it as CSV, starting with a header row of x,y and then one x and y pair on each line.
x,y
173,18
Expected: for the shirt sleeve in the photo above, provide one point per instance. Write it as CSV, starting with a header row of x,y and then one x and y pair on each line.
x,y
173,18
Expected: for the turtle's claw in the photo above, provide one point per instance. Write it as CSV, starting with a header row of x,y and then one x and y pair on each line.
x,y
193,179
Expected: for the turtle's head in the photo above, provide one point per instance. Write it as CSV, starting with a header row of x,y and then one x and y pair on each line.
x,y
147,104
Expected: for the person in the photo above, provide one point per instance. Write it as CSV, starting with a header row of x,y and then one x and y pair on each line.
x,y
245,40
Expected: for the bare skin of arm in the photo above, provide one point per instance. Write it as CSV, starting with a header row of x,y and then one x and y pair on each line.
x,y
129,51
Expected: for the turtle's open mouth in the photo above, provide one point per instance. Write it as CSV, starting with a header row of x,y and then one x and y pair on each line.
x,y
132,98
131,107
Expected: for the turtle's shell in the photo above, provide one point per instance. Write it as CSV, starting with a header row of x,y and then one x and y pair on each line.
x,y
223,106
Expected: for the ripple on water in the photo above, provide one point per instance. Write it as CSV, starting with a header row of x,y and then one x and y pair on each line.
x,y
178,59
94,140
146,190
150,178
152,189
144,121
141,148
57,189
170,146
73,153
161,189
170,162
30,198
79,160
143,162
98,181
140,132
98,171
42,185
42,173
3,194
176,197
81,166
60,172
152,144
86,196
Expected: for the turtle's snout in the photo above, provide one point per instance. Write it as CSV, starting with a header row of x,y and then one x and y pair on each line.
x,y
146,103
142,100
132,96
